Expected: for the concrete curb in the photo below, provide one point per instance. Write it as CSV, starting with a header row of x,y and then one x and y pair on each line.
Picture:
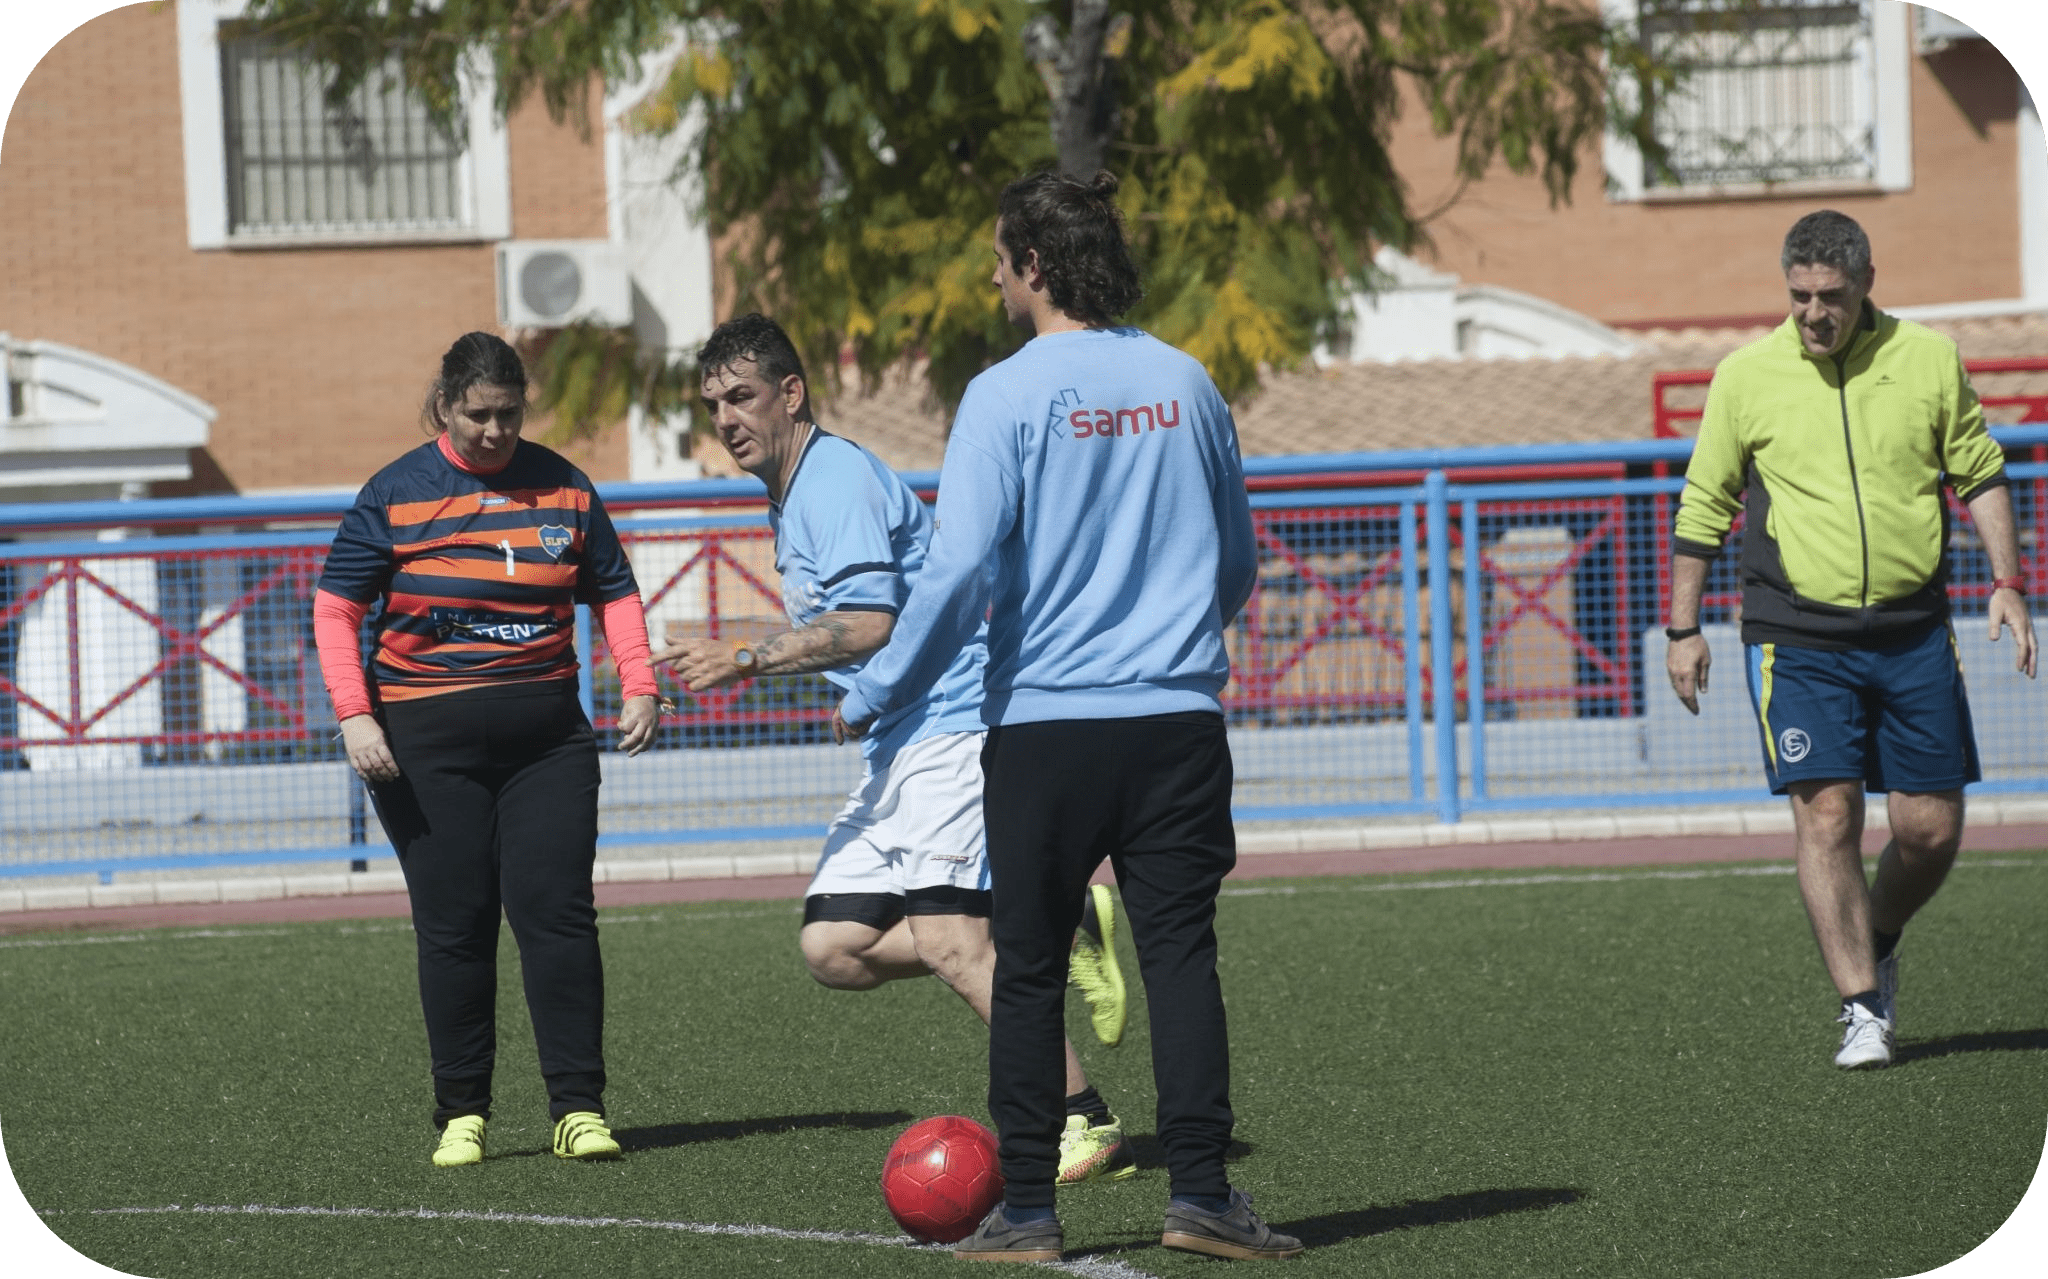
x,y
1525,828
799,856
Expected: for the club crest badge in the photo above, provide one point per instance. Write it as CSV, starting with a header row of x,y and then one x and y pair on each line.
x,y
554,539
1793,745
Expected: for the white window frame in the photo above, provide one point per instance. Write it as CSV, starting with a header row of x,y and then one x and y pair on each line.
x,y
1891,80
2033,166
484,173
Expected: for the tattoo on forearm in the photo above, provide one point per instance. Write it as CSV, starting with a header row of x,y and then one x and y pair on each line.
x,y
824,644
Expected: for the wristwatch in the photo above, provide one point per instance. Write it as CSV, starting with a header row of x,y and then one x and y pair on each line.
x,y
746,659
1676,633
2017,582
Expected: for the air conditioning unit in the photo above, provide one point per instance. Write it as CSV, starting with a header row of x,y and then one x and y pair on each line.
x,y
545,284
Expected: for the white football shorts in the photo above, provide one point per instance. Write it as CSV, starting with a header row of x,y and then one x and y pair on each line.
x,y
912,823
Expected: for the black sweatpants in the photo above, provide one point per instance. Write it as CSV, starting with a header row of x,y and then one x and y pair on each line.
x,y
1153,796
496,808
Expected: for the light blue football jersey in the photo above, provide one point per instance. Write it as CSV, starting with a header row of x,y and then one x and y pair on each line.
x,y
850,536
1092,525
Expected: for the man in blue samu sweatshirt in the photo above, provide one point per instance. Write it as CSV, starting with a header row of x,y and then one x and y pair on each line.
x,y
1092,508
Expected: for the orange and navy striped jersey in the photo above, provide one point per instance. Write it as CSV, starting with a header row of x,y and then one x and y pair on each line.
x,y
480,574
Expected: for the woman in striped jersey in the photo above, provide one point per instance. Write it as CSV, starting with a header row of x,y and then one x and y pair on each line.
x,y
483,767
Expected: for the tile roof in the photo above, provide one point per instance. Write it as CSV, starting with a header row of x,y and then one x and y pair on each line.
x,y
1441,403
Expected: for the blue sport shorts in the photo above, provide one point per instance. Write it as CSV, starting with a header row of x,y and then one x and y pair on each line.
x,y
1896,717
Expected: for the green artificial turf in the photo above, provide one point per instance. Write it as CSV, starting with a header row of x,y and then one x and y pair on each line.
x,y
1574,1073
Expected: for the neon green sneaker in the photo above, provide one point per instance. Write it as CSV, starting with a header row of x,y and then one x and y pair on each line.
x,y
462,1142
581,1134
1094,1153
1094,968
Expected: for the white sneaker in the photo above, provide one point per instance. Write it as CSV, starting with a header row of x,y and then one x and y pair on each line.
x,y
1867,1043
1888,988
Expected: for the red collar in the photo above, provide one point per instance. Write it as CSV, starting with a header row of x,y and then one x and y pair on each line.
x,y
448,451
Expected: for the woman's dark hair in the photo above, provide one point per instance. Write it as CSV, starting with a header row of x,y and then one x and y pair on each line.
x,y
1079,237
475,357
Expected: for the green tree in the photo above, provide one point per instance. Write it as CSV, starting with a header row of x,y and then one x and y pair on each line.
x,y
862,143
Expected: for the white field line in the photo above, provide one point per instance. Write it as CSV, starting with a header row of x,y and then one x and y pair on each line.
x,y
1091,1268
1260,890
104,939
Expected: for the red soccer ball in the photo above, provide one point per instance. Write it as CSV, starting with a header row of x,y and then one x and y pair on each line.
x,y
942,1177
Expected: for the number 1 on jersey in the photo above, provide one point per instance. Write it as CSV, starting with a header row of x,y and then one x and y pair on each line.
x,y
506,543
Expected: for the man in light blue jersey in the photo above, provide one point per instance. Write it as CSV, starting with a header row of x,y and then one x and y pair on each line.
x,y
902,887
1093,509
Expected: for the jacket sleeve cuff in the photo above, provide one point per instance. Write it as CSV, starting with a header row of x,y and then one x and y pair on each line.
x,y
1694,550
855,710
1997,481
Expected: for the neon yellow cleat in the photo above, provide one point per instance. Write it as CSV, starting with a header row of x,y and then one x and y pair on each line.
x,y
581,1134
462,1142
1097,1153
1094,968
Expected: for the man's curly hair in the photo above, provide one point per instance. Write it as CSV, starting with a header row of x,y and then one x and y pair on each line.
x,y
1079,237
754,338
1827,238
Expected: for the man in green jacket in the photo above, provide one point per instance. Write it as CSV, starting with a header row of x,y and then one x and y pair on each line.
x,y
1834,437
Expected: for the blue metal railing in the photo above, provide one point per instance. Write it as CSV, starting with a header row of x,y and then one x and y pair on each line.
x,y
165,714
701,493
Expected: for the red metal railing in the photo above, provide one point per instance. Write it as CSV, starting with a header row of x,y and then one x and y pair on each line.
x,y
1323,635
1612,680
279,575
1667,418
1291,641
731,589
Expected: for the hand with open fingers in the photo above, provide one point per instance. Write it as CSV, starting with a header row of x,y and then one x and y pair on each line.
x,y
1686,662
2009,608
843,732
368,751
701,663
639,719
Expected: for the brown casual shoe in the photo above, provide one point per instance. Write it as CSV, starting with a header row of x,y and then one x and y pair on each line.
x,y
998,1238
1238,1233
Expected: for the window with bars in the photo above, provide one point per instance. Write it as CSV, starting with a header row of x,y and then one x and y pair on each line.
x,y
376,165
1771,91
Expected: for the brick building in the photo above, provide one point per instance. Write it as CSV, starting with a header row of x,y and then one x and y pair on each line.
x,y
1533,323
279,336
1903,119
178,206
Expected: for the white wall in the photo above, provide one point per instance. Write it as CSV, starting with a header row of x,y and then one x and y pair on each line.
x,y
115,647
652,193
2033,144
88,424
1420,314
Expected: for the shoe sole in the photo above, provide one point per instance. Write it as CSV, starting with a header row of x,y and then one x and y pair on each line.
x,y
1014,1254
1213,1247
592,1158
1114,1174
